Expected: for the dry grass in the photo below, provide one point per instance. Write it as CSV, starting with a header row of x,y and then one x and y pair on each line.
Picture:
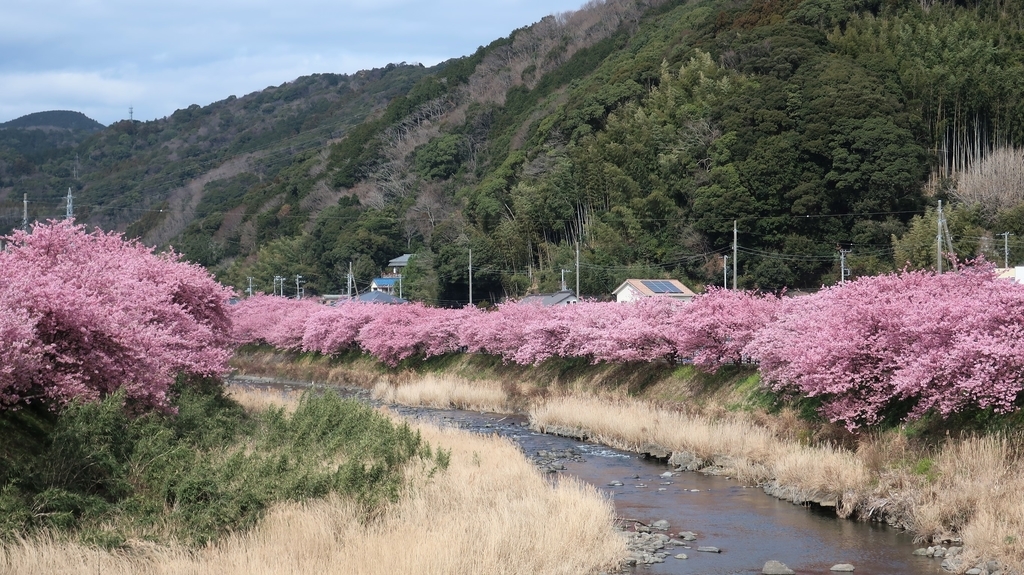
x,y
254,400
490,512
739,447
446,392
319,369
974,491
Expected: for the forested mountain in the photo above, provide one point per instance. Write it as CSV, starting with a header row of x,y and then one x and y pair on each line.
x,y
154,174
55,120
37,138
641,130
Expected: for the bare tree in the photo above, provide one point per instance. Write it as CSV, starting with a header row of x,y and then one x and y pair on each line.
x,y
995,182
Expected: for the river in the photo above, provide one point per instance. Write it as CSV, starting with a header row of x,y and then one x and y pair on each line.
x,y
748,526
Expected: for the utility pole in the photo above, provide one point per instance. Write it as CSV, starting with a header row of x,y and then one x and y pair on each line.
x,y
725,272
70,212
470,276
843,271
349,280
938,241
735,250
577,268
1006,248
249,290
298,290
24,214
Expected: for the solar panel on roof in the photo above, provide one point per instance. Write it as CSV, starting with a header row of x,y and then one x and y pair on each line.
x,y
661,286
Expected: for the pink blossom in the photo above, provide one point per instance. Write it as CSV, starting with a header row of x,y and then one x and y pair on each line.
x,y
84,314
934,342
715,327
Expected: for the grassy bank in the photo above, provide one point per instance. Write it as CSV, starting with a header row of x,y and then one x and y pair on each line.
x,y
942,480
100,474
488,511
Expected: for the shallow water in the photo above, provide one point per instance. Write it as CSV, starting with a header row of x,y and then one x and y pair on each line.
x,y
748,526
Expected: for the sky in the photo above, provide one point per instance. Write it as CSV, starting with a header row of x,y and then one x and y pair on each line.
x,y
100,57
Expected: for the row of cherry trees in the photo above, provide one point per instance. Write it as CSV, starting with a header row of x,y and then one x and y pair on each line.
x,y
83,315
894,345
524,334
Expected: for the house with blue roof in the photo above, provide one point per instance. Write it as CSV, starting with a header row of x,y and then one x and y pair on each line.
x,y
386,285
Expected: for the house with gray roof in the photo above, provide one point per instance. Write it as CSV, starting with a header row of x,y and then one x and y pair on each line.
x,y
563,297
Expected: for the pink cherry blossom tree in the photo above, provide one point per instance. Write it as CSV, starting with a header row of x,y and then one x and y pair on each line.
x,y
715,327
334,329
913,342
278,321
85,314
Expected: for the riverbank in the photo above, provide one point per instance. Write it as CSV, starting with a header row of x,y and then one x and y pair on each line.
x,y
492,509
960,492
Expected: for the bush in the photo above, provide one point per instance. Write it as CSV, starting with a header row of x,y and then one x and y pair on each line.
x,y
212,468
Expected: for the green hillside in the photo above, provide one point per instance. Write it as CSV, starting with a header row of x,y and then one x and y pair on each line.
x,y
34,139
58,119
640,130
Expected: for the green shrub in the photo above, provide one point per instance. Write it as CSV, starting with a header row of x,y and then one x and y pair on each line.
x,y
102,475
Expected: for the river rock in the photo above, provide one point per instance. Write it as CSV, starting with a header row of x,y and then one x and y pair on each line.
x,y
682,556
615,484
973,571
709,549
951,564
922,552
667,474
776,568
660,524
687,535
654,450
842,568
684,461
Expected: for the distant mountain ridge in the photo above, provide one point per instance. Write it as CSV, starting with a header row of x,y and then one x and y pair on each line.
x,y
60,119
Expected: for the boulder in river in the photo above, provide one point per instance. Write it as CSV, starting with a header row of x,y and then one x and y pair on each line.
x,y
774,567
842,568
